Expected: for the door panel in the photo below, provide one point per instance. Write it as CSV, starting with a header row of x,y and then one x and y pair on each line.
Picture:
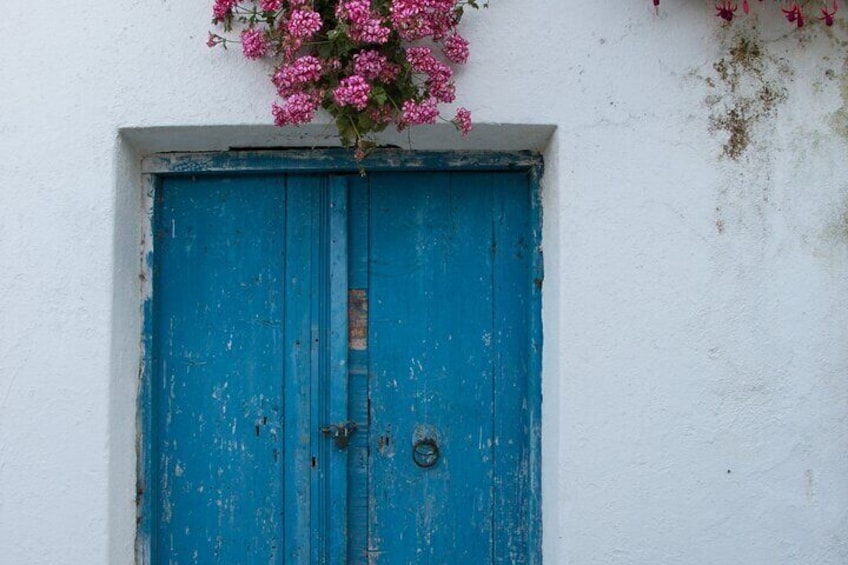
x,y
249,368
289,304
220,352
444,365
431,341
513,354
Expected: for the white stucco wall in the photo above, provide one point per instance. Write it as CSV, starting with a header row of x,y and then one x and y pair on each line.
x,y
696,293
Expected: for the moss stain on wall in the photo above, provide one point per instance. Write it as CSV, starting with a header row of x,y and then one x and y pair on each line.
x,y
746,92
837,229
839,119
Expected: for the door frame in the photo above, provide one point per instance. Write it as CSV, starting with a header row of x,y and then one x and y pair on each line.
x,y
330,161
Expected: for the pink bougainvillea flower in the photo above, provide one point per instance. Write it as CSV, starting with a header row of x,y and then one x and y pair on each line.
x,y
303,24
416,19
299,109
369,64
726,10
354,11
462,121
422,60
442,91
253,43
425,112
354,59
419,58
409,18
365,26
352,91
370,31
292,78
270,5
827,16
793,14
456,49
223,8
442,24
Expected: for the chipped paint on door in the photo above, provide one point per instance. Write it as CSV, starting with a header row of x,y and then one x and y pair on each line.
x,y
450,259
397,310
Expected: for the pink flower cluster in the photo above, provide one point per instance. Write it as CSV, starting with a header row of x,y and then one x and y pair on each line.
x,y
365,25
303,24
270,5
223,8
417,19
253,43
439,81
299,109
297,76
354,59
353,91
418,113
463,121
456,49
371,65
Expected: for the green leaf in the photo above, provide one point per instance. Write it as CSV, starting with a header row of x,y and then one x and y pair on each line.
x,y
325,50
364,124
378,95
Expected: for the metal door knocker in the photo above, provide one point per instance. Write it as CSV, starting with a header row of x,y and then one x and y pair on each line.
x,y
425,453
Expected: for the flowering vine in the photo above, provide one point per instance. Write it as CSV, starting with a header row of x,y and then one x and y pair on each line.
x,y
369,63
796,12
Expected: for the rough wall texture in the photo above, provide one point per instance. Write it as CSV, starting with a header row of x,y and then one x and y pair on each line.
x,y
696,241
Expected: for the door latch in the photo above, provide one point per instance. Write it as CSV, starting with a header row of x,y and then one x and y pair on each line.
x,y
340,432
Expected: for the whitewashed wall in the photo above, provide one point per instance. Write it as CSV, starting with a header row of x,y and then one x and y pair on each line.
x,y
696,299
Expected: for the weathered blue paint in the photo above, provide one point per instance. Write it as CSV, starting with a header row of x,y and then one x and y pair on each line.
x,y
534,374
337,161
358,452
447,266
449,345
219,350
145,543
337,388
431,349
300,319
512,289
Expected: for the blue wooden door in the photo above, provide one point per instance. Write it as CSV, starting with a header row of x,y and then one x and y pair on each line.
x,y
342,369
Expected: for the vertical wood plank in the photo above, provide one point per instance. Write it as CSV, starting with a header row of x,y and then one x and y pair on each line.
x,y
218,279
511,281
318,402
337,370
358,484
301,246
430,341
